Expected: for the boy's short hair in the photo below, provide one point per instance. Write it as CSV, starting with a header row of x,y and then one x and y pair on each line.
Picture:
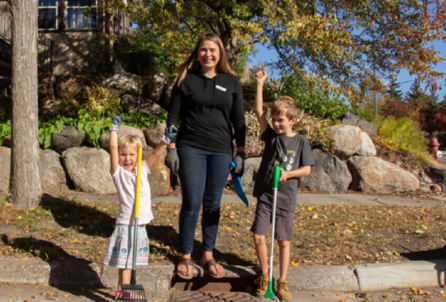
x,y
285,105
129,140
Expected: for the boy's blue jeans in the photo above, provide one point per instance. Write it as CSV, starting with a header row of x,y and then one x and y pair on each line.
x,y
203,175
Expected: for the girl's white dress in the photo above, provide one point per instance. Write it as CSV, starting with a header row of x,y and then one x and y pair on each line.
x,y
120,252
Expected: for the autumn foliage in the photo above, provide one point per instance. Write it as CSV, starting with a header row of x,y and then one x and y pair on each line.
x,y
341,45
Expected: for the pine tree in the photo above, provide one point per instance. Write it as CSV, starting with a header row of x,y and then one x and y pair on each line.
x,y
434,96
416,92
394,91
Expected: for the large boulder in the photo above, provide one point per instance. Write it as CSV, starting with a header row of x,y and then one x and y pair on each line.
x,y
329,174
151,107
353,120
124,83
128,102
159,177
67,138
252,166
350,119
374,175
5,163
154,133
367,147
156,85
104,139
346,139
89,170
52,174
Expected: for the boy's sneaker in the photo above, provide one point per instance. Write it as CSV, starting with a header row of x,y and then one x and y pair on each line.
x,y
283,293
262,285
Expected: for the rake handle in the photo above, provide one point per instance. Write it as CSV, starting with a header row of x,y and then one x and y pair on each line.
x,y
135,228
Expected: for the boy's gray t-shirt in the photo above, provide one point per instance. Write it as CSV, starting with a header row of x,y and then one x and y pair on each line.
x,y
292,153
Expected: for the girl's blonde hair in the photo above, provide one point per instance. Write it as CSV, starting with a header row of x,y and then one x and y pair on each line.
x,y
129,140
193,63
285,105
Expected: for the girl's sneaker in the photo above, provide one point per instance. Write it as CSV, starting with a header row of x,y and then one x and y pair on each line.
x,y
283,293
262,285
118,293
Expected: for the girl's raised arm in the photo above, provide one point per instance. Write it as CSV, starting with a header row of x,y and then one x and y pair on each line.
x,y
114,153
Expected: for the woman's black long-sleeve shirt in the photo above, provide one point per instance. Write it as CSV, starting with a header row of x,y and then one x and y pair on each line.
x,y
209,109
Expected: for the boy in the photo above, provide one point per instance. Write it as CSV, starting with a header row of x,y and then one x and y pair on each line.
x,y
293,153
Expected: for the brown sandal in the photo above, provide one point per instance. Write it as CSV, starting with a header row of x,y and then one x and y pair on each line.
x,y
207,265
186,262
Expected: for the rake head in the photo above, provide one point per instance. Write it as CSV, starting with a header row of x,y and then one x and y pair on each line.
x,y
132,293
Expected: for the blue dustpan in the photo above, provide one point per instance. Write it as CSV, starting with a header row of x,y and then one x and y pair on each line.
x,y
238,186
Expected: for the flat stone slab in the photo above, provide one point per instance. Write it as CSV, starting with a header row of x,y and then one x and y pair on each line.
x,y
382,276
321,278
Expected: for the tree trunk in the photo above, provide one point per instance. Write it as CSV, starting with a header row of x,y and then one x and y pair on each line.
x,y
25,179
225,36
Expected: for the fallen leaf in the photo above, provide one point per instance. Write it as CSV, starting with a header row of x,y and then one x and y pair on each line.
x,y
228,228
74,241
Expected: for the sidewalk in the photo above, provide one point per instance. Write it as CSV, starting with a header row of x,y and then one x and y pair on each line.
x,y
358,199
158,280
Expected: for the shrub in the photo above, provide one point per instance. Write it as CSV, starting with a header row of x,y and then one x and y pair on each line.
x,y
402,134
315,129
313,100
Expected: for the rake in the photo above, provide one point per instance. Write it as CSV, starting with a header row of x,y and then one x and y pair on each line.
x,y
269,293
134,292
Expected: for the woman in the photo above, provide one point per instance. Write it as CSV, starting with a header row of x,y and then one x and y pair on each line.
x,y
207,99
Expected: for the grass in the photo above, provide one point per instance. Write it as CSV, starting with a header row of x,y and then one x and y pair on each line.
x,y
60,229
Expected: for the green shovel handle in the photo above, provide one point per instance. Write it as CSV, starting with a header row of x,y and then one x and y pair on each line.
x,y
276,175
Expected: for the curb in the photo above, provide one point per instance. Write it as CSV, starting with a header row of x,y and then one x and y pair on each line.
x,y
161,278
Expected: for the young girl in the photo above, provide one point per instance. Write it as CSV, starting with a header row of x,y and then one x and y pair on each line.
x,y
123,159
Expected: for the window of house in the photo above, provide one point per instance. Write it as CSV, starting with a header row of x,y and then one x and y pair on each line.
x,y
81,14
47,14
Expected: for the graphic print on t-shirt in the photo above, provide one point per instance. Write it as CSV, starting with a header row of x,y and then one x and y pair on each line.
x,y
285,159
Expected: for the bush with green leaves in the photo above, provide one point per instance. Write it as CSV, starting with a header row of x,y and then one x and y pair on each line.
x,y
310,98
403,134
144,120
5,130
92,126
314,129
49,127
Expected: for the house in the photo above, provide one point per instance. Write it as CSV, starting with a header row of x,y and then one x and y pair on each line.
x,y
71,34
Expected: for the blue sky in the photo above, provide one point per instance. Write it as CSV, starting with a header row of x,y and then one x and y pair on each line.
x,y
264,56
